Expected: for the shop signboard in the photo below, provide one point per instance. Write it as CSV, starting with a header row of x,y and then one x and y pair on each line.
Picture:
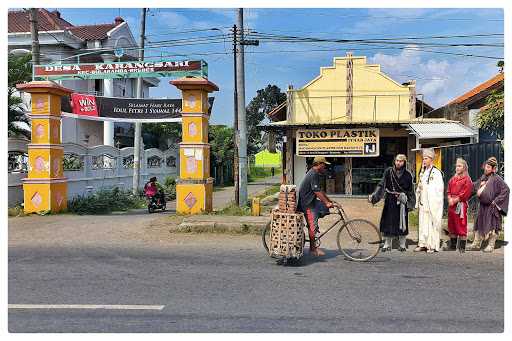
x,y
357,142
136,69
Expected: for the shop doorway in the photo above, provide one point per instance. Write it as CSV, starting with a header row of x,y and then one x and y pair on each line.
x,y
366,171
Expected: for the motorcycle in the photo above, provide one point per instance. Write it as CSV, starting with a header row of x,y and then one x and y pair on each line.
x,y
156,202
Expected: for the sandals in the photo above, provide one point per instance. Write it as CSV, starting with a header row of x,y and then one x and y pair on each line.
x,y
420,249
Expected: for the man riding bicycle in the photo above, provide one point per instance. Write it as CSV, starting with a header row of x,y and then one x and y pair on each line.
x,y
313,201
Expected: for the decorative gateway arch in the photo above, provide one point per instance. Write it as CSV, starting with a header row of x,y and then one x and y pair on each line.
x,y
45,188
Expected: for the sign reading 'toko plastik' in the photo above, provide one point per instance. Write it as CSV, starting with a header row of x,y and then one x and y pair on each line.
x,y
358,142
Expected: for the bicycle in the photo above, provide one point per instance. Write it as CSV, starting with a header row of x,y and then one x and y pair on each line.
x,y
357,239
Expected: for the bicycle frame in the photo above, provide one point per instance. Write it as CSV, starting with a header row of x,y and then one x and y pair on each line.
x,y
343,218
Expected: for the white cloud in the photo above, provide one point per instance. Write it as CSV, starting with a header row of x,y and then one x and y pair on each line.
x,y
439,80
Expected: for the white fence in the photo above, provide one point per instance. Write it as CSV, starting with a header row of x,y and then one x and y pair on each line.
x,y
90,168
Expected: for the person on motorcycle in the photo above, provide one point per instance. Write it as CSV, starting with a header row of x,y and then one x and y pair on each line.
x,y
153,189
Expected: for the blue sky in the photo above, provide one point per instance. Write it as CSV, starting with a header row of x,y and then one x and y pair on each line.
x,y
440,77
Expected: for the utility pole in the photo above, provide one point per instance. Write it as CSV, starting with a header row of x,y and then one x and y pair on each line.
x,y
235,120
242,147
242,126
32,14
138,125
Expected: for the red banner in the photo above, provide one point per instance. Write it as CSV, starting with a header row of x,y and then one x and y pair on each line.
x,y
84,105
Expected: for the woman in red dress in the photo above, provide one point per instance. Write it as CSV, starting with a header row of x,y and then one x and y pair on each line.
x,y
460,188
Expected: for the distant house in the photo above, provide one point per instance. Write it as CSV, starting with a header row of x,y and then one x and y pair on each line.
x,y
61,42
465,108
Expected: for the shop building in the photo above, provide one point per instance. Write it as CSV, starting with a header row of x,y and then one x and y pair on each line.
x,y
359,118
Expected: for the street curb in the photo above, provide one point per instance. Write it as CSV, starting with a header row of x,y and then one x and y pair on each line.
x,y
223,224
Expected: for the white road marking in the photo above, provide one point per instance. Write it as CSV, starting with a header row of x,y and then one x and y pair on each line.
x,y
86,306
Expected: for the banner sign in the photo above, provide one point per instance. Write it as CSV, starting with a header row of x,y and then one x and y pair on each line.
x,y
124,109
358,142
121,70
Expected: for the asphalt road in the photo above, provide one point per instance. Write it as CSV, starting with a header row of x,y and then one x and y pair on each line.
x,y
233,286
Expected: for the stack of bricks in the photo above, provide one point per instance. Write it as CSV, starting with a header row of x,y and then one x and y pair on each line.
x,y
287,198
287,234
287,226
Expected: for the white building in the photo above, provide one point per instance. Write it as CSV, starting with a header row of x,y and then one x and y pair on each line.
x,y
61,42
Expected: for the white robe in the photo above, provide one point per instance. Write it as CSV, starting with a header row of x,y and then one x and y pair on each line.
x,y
430,203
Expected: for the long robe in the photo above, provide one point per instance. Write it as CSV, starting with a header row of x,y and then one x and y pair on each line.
x,y
462,188
430,203
493,203
394,181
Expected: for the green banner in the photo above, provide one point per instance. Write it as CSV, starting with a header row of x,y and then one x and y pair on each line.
x,y
112,70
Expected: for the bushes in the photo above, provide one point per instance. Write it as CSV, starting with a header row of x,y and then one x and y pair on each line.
x,y
170,188
105,201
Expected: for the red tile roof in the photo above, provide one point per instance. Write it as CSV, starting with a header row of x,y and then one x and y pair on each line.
x,y
48,21
18,21
92,32
478,89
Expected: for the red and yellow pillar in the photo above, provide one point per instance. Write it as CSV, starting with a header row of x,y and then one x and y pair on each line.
x,y
45,188
194,187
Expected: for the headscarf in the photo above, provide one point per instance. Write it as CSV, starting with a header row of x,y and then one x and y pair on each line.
x,y
492,161
429,152
400,157
464,164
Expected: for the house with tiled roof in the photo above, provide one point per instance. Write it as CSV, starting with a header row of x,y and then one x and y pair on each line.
x,y
466,107
62,42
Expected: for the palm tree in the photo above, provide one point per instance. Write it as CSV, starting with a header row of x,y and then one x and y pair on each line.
x,y
20,71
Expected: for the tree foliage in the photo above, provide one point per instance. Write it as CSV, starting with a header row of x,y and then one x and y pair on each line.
x,y
156,134
492,116
265,100
222,143
19,71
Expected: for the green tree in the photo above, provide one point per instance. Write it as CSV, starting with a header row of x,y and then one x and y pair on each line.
x,y
501,65
19,71
266,99
492,117
157,134
222,145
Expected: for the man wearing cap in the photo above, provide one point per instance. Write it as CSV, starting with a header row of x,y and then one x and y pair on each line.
x,y
492,193
397,189
313,201
430,203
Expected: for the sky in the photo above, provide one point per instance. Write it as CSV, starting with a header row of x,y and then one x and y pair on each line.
x,y
440,74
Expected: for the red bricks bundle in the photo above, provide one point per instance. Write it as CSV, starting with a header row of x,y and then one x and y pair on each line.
x,y
288,199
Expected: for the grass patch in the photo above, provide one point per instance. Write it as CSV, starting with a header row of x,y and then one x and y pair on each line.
x,y
413,218
105,201
258,173
16,211
235,210
269,191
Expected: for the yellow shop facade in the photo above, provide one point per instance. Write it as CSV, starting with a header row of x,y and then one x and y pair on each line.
x,y
359,118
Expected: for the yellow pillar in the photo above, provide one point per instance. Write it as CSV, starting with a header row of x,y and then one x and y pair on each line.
x,y
45,188
194,188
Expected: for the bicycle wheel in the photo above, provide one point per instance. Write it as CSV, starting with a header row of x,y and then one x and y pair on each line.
x,y
265,237
359,240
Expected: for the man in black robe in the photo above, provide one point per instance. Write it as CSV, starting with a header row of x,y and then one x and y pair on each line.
x,y
493,194
397,189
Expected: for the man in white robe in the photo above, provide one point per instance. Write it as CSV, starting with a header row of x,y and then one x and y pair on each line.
x,y
430,192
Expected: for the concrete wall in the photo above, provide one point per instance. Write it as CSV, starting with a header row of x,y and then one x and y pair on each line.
x,y
113,171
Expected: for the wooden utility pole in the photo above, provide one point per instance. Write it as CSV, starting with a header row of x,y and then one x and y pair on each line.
x,y
32,14
138,125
